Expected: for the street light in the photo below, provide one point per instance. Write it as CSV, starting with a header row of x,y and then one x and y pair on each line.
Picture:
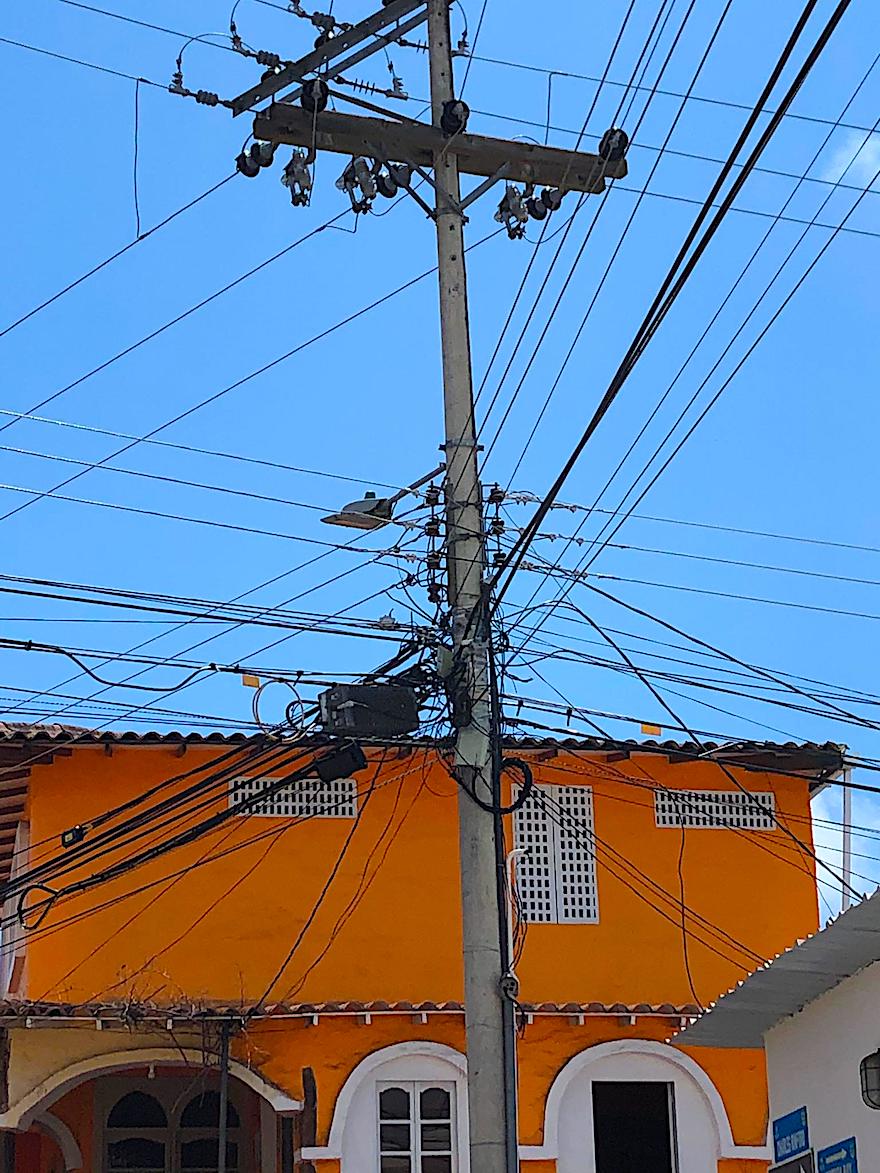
x,y
372,512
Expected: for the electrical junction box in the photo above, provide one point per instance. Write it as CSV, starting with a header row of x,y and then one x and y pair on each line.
x,y
369,710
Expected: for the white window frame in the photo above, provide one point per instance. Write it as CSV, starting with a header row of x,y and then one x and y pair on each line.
x,y
415,1088
549,883
327,800
693,810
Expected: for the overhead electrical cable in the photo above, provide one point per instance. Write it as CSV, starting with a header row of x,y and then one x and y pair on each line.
x,y
601,284
767,286
200,305
322,895
755,668
153,27
115,256
212,855
514,498
238,457
242,381
665,93
684,264
536,300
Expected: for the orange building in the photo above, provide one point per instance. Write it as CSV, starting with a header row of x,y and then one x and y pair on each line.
x,y
308,944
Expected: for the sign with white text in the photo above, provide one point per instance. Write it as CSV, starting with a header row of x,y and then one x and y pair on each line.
x,y
791,1135
839,1158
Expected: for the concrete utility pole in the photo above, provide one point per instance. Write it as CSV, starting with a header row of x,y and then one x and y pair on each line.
x,y
446,148
480,911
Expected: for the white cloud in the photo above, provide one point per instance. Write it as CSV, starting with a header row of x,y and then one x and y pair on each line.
x,y
857,158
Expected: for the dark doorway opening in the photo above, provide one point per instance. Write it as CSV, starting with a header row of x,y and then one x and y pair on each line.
x,y
632,1127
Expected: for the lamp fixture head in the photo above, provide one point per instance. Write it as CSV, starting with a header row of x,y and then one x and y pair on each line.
x,y
371,512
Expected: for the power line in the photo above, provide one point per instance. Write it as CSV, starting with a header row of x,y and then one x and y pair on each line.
x,y
243,380
755,668
755,253
682,268
157,28
583,246
676,153
607,271
729,675
667,93
180,317
115,256
714,559
198,451
252,619
587,560
524,498
234,625
143,512
77,61
133,472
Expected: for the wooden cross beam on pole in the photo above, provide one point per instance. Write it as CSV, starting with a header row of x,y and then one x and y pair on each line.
x,y
416,144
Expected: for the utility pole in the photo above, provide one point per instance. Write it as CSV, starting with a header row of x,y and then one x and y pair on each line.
x,y
384,153
480,911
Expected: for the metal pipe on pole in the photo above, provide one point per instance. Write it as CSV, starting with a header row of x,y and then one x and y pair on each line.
x,y
481,913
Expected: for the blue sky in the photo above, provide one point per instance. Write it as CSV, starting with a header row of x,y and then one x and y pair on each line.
x,y
789,448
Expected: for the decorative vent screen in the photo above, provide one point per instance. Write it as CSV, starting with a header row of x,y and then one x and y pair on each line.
x,y
305,797
715,808
556,881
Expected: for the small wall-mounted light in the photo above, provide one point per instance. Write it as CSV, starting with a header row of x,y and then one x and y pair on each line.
x,y
870,1076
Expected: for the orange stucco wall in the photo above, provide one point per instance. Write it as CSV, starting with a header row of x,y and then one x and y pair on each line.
x,y
754,886
221,931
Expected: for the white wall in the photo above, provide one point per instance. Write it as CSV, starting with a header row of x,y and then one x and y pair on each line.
x,y
814,1059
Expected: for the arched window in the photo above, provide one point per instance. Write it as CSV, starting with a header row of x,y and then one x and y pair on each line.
x,y
198,1144
164,1125
416,1128
136,1134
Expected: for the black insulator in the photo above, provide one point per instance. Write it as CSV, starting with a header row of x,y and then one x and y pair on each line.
x,y
551,198
263,153
386,185
247,165
206,98
454,117
401,173
613,146
264,57
315,95
536,208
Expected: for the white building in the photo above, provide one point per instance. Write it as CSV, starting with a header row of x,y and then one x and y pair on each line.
x,y
815,1011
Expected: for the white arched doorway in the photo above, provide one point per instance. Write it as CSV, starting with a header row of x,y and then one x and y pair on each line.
x,y
700,1131
415,1068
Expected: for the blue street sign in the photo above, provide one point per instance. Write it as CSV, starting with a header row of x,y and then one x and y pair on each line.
x,y
791,1135
839,1158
